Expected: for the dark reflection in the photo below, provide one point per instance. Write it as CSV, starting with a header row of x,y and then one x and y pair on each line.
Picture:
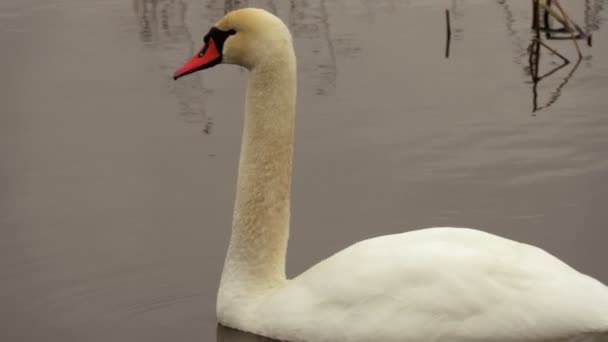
x,y
231,5
520,44
593,20
537,45
453,16
535,56
544,27
208,126
272,7
164,31
330,71
592,14
457,17
224,334
448,34
556,33
310,26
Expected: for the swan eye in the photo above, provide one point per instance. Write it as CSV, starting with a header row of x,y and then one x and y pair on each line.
x,y
219,37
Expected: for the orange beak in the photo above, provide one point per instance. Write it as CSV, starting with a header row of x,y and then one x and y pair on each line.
x,y
206,58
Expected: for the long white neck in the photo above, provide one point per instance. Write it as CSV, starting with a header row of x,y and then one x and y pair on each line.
x,y
256,255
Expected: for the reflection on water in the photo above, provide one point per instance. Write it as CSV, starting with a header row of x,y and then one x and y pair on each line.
x,y
533,50
114,222
457,16
519,41
593,19
164,32
535,57
231,5
163,29
309,24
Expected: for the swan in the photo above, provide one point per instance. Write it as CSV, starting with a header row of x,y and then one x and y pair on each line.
x,y
435,284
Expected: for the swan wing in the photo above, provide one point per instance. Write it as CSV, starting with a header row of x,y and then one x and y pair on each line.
x,y
439,284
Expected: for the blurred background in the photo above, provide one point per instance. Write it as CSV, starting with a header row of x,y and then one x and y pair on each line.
x,y
117,183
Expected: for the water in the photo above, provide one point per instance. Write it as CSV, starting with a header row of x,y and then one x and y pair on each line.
x,y
117,183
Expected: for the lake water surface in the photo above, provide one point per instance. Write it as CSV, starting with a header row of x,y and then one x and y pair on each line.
x,y
117,184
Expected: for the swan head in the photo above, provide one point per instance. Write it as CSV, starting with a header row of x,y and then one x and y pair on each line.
x,y
245,37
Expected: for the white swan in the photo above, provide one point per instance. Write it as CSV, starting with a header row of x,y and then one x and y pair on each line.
x,y
437,284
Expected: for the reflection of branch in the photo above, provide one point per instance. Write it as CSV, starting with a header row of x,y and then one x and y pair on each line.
x,y
333,69
555,52
147,20
163,30
456,17
520,47
534,60
558,91
569,26
592,18
592,15
536,44
231,5
310,24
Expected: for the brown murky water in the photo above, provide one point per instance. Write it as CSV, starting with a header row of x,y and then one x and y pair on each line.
x,y
117,183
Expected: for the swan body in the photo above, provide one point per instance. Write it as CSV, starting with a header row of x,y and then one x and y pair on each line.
x,y
436,284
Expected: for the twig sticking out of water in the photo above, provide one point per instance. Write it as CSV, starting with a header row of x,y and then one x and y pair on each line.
x,y
554,14
535,10
448,33
569,27
563,18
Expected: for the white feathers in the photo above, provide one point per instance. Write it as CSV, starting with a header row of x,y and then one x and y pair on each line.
x,y
438,284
